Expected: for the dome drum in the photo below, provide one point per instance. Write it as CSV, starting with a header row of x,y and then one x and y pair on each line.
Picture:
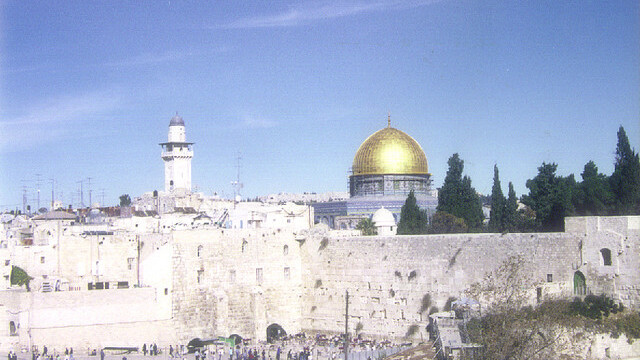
x,y
389,185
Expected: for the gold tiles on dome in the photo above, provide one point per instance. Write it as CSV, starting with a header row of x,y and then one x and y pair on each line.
x,y
390,151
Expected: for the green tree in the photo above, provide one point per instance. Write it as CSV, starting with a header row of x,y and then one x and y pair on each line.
x,y
550,197
125,200
20,277
497,218
511,215
413,220
625,180
445,223
594,196
457,197
367,227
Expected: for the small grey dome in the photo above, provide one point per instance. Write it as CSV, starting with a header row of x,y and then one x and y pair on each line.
x,y
176,121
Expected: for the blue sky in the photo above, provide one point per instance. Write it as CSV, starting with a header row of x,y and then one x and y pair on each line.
x,y
87,89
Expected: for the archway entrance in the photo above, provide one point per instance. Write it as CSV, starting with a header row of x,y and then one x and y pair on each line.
x,y
579,284
275,332
237,339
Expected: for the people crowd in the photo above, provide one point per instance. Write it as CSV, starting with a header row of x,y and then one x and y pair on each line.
x,y
290,347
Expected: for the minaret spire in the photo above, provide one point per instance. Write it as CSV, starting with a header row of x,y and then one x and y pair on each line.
x,y
389,119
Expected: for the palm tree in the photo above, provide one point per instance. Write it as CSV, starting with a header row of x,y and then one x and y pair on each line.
x,y
367,227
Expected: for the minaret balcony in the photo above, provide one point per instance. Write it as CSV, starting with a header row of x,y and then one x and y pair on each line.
x,y
177,153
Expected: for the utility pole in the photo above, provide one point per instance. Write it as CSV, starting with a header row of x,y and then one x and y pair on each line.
x,y
346,326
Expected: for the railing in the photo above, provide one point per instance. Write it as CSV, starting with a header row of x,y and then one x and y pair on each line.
x,y
371,354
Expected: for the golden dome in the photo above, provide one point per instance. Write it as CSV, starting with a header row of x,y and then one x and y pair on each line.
x,y
390,151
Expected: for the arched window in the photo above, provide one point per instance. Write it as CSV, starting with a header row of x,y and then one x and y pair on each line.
x,y
199,250
579,284
606,256
244,245
12,329
285,250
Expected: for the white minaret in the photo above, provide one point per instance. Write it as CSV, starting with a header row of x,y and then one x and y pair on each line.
x,y
177,154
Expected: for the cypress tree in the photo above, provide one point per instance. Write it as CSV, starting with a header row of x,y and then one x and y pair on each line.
x,y
497,218
511,210
457,197
413,220
625,180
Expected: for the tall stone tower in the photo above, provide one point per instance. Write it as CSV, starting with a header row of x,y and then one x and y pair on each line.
x,y
177,154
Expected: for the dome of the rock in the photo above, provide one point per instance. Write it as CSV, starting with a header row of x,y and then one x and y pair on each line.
x,y
390,151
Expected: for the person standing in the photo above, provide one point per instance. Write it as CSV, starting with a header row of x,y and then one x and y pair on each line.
x,y
144,349
101,354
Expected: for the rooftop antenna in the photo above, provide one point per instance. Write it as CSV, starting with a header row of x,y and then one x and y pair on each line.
x,y
53,182
24,198
38,189
102,195
237,185
81,182
389,119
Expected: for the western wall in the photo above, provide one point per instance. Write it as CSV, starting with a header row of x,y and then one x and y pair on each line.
x,y
216,282
387,277
245,287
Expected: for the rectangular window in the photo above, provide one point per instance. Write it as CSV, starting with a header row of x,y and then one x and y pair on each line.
x,y
232,275
200,276
130,263
166,291
7,262
287,272
259,275
549,277
41,259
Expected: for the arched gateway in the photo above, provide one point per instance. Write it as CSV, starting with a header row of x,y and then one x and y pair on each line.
x,y
274,332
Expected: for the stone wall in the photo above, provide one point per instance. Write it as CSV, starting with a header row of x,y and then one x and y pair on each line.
x,y
388,277
217,282
124,317
228,281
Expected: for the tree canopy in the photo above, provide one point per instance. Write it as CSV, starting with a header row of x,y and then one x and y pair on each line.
x,y
625,180
125,200
550,197
593,194
20,277
367,227
445,223
457,197
497,217
413,220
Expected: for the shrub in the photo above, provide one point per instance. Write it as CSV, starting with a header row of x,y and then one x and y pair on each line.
x,y
595,307
20,277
